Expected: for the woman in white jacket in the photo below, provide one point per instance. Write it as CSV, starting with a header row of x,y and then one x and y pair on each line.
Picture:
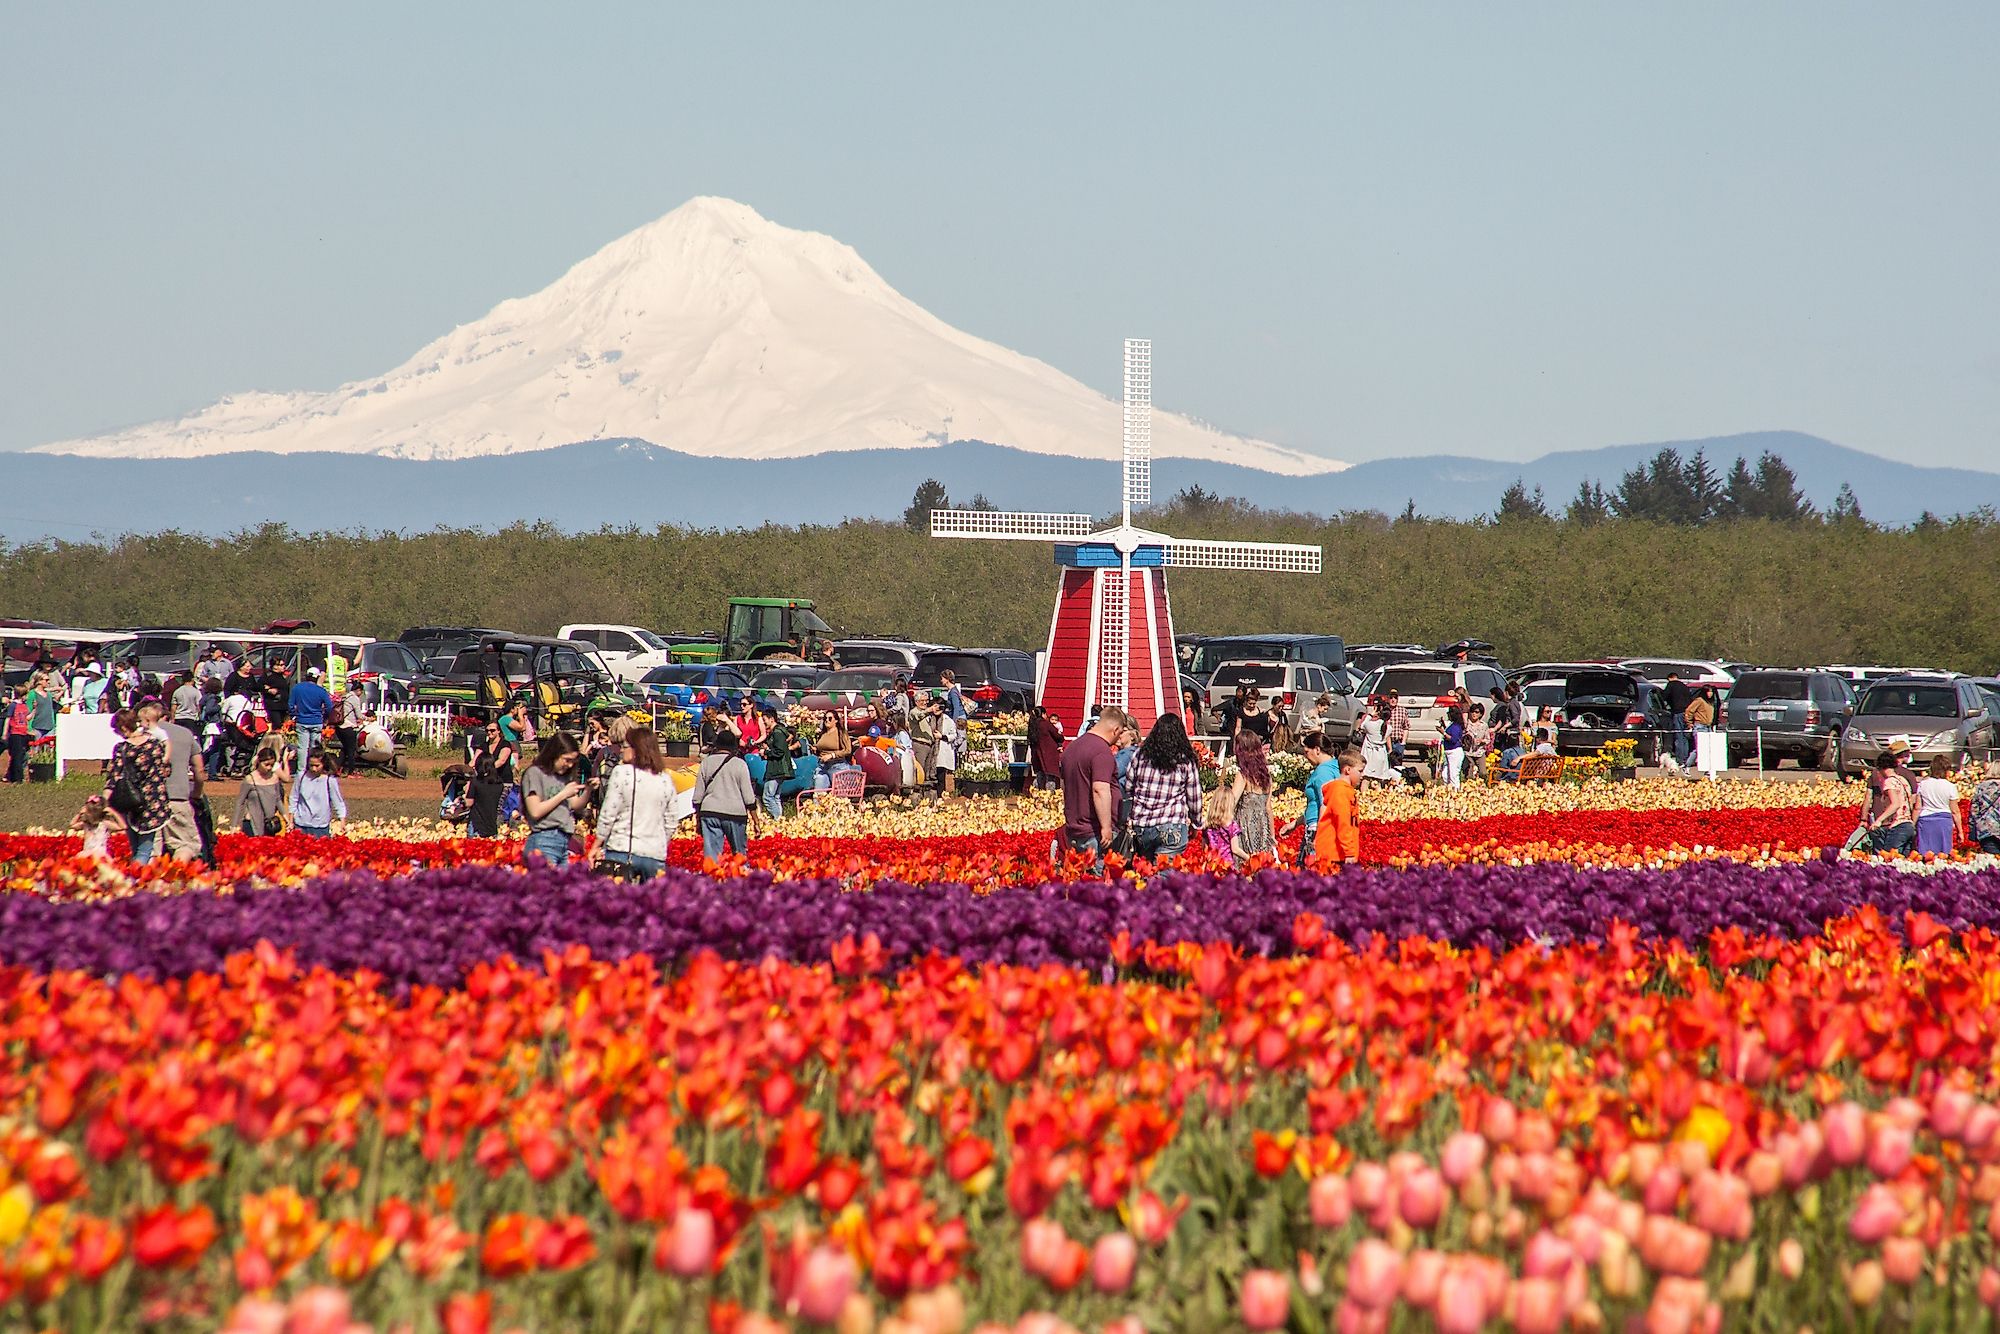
x,y
641,807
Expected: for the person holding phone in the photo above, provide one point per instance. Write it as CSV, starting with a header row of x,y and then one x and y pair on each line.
x,y
551,796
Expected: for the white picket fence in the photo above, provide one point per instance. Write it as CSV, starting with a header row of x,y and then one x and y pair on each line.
x,y
433,720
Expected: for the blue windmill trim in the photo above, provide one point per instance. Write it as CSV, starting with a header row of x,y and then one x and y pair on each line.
x,y
1102,555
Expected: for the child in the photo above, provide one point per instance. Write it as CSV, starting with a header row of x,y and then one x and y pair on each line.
x,y
97,822
1223,834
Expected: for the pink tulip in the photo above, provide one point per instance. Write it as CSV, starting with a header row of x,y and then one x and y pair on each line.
x,y
1328,1201
1547,1255
1463,1154
1421,1201
1791,1258
1461,1302
1537,1177
1989,1287
1374,1274
1721,1204
256,1315
1422,1273
1663,1190
1368,1186
1763,1173
1498,1121
1349,1318
1876,1214
1042,1244
1889,1149
1951,1107
1902,1260
1670,1246
1537,1306
1904,1111
1586,1237
1982,1123
690,1249
1112,1261
1266,1299
826,1280
319,1310
1845,1126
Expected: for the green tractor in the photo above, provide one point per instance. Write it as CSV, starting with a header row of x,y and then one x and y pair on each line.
x,y
762,628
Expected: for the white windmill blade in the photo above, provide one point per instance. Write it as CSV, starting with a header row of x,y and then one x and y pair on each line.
x,y
1286,557
1138,425
1011,525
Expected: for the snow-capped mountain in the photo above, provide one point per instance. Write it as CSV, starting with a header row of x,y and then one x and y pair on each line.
x,y
711,331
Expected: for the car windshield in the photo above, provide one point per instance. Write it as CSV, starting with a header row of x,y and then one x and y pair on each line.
x,y
1769,685
805,622
1215,652
1910,701
1262,675
649,639
466,663
857,680
1543,694
1409,681
676,676
969,668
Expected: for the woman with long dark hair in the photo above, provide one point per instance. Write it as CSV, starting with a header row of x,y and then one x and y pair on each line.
x,y
1045,747
1163,787
1250,800
493,761
551,796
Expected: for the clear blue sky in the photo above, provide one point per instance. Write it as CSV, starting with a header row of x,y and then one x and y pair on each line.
x,y
1400,229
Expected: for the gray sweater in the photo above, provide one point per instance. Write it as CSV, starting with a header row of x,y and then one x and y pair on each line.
x,y
723,787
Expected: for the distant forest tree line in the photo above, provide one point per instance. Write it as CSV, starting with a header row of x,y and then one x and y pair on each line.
x,y
1743,569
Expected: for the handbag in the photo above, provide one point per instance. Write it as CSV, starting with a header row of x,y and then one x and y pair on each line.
x,y
125,798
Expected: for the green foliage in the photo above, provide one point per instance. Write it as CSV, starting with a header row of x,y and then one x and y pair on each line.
x,y
930,496
1762,589
1517,505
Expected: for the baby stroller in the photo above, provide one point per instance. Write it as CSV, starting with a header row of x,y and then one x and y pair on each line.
x,y
456,802
238,743
377,753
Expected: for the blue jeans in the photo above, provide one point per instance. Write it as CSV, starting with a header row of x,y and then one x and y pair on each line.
x,y
774,800
720,833
314,830
1683,741
1156,842
1897,838
552,844
306,736
145,847
647,867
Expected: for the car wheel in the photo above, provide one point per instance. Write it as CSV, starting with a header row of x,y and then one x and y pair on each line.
x,y
1829,759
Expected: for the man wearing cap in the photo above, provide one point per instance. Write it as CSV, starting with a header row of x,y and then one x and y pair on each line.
x,y
353,714
307,704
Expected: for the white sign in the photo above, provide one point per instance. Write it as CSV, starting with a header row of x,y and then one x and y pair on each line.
x,y
83,736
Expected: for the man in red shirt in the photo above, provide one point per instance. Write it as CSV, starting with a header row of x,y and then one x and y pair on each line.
x,y
1089,783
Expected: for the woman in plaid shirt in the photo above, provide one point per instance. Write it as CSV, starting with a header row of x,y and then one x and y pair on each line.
x,y
1163,791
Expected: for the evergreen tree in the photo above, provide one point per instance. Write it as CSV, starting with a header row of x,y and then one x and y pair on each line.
x,y
1197,499
1739,493
1589,506
980,502
1778,494
930,496
1409,514
1660,490
1516,503
1701,492
1846,506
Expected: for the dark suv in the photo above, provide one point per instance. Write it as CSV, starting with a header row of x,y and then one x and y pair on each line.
x,y
1779,715
991,680
436,645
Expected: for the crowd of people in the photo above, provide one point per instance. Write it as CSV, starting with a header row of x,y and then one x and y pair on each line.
x,y
1906,812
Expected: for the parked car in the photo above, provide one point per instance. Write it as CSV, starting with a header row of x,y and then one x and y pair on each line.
x,y
1603,704
1365,658
992,681
694,686
163,650
1550,671
851,692
1861,676
1948,716
900,653
1425,689
1989,686
1542,701
1694,672
1780,715
1287,690
787,681
1326,651
630,651
438,646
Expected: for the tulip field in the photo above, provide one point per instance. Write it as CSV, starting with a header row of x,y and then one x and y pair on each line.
x,y
1652,1056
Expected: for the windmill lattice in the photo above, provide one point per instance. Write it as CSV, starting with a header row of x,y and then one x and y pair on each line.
x,y
1111,639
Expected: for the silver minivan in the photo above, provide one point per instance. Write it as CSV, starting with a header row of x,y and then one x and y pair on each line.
x,y
1935,715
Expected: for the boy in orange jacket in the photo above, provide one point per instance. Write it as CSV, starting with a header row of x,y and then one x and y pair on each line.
x,y
1338,838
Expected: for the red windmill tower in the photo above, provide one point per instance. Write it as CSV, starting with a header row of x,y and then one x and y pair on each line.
x,y
1111,640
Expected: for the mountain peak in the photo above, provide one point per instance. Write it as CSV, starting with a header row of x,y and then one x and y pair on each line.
x,y
711,330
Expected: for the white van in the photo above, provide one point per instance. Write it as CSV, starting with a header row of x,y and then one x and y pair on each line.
x,y
630,651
